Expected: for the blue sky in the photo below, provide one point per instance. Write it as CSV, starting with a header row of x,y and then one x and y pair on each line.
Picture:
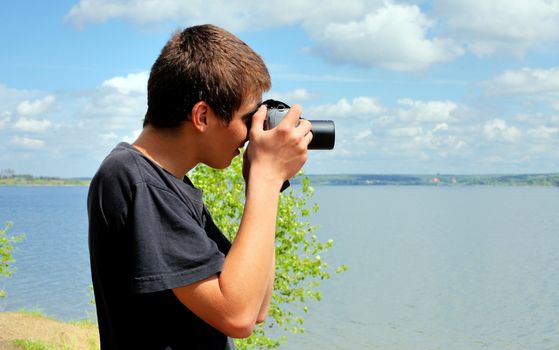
x,y
424,87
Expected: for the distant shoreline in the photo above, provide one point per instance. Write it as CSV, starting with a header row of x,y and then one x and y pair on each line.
x,y
548,180
43,182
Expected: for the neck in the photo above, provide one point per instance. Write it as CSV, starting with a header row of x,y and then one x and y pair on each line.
x,y
171,149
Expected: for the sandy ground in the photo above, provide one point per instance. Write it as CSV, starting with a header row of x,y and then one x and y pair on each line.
x,y
57,334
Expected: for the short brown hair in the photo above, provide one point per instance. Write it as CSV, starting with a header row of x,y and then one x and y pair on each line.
x,y
203,63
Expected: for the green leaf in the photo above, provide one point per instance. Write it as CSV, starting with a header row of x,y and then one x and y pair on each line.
x,y
7,246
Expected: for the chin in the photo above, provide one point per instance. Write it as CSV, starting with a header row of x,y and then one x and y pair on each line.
x,y
221,165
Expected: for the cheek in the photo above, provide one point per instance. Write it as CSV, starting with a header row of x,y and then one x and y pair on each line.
x,y
243,133
240,132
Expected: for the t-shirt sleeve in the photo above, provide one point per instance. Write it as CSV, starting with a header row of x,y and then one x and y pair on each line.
x,y
169,246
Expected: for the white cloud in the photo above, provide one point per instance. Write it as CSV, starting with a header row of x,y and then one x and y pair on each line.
x,y
417,144
31,125
543,132
369,33
366,106
234,14
507,26
363,134
290,97
10,98
134,83
98,11
525,81
119,103
538,119
132,136
426,111
497,129
440,127
109,137
87,124
409,131
28,143
439,145
35,107
358,107
393,36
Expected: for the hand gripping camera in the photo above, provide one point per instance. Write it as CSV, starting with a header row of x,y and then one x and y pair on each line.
x,y
324,132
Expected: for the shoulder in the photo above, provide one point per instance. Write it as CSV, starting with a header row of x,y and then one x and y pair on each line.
x,y
117,175
122,161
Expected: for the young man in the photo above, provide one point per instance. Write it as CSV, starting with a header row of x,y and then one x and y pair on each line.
x,y
164,275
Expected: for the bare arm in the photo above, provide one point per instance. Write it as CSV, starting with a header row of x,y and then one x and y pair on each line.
x,y
238,297
263,313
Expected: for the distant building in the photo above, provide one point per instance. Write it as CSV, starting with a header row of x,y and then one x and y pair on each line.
x,y
7,173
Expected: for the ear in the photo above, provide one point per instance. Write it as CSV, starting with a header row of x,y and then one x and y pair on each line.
x,y
200,116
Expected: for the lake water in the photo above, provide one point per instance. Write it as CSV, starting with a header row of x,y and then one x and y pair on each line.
x,y
429,267
52,261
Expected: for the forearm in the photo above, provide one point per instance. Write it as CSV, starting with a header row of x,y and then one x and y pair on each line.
x,y
247,275
263,313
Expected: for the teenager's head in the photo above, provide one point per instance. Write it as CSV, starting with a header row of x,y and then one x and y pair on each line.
x,y
203,63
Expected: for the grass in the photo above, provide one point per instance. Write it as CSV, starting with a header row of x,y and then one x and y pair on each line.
x,y
65,343
35,313
89,321
27,344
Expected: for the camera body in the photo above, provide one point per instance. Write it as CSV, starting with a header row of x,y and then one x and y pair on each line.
x,y
324,131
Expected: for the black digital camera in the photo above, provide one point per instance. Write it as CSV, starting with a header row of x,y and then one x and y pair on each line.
x,y
323,131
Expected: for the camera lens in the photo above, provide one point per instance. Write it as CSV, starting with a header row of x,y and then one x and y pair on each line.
x,y
323,134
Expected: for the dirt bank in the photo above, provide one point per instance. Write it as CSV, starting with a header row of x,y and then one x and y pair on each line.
x,y
56,334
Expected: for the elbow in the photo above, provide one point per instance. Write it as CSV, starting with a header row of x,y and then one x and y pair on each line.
x,y
261,318
240,327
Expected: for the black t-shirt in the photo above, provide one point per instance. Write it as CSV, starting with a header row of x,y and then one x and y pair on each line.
x,y
149,232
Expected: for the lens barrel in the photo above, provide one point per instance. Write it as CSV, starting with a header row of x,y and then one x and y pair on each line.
x,y
323,134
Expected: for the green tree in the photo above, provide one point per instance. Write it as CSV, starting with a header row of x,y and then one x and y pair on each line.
x,y
6,248
299,264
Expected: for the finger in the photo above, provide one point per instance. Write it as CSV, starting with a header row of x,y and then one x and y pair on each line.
x,y
304,127
258,119
292,117
308,138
